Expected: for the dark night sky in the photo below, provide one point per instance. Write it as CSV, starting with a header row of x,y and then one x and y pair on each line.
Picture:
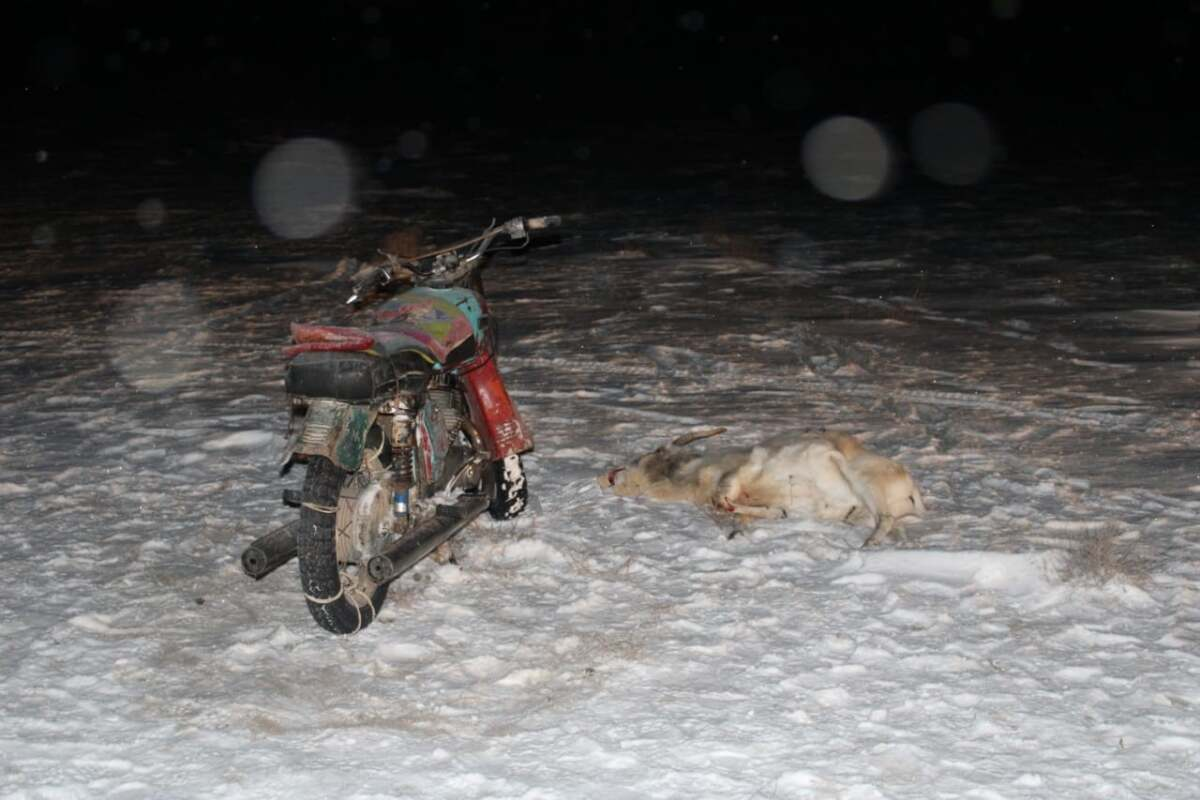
x,y
122,65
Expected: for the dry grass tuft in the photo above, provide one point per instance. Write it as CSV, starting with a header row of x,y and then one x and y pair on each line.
x,y
1100,556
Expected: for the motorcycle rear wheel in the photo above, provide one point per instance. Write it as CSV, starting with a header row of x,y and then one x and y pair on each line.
x,y
340,597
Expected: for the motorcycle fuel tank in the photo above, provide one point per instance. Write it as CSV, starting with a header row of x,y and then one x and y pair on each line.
x,y
448,324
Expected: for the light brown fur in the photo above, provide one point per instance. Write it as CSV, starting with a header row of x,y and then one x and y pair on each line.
x,y
826,475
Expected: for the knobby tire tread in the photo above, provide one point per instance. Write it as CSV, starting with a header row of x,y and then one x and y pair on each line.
x,y
509,498
317,554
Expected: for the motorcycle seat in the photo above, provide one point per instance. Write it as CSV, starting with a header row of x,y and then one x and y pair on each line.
x,y
352,364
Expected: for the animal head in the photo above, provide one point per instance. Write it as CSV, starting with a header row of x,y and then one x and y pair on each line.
x,y
904,498
895,486
896,489
636,479
649,472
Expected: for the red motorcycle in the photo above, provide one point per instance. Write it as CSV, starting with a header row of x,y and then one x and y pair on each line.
x,y
407,430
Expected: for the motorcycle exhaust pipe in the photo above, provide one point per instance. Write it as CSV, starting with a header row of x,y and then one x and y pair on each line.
x,y
401,555
270,551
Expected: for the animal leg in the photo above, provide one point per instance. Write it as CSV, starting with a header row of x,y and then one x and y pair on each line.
x,y
729,525
736,518
729,489
756,512
882,529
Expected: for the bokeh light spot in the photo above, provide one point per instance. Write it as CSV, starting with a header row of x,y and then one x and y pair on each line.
x,y
303,188
953,143
1006,9
788,90
43,235
413,144
157,338
56,60
151,213
848,158
692,21
380,48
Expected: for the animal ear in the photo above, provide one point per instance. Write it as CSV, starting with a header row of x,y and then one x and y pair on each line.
x,y
695,436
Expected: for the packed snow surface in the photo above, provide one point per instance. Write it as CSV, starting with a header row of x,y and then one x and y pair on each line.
x,y
1026,347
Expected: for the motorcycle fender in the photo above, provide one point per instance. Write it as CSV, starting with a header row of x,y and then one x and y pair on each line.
x,y
503,429
337,431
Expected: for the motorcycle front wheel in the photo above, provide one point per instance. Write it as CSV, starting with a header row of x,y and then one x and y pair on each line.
x,y
510,492
340,595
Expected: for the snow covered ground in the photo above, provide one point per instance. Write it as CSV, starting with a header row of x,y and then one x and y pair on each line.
x,y
1027,347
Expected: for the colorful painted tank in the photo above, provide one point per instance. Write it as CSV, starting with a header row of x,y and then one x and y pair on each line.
x,y
446,326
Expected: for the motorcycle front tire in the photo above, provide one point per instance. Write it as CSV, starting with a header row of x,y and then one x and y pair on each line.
x,y
510,494
336,608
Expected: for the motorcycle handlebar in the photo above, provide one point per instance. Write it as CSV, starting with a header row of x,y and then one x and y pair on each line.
x,y
541,223
518,227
